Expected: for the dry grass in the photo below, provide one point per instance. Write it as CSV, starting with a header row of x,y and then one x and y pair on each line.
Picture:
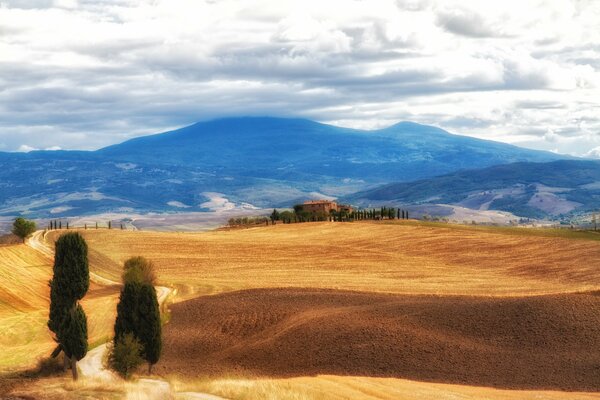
x,y
378,257
359,387
402,258
24,302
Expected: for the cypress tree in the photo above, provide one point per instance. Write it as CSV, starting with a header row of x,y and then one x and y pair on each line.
x,y
73,336
70,282
127,311
150,334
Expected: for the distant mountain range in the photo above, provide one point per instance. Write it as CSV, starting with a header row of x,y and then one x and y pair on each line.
x,y
240,163
536,190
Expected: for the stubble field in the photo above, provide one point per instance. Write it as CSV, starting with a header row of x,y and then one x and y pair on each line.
x,y
370,310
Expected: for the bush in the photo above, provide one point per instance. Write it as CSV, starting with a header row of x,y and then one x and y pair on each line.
x,y
125,355
140,270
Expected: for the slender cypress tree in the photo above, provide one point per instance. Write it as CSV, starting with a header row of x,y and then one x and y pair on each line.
x,y
73,336
127,311
70,282
150,334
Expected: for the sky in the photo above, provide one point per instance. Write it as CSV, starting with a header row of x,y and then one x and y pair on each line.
x,y
83,74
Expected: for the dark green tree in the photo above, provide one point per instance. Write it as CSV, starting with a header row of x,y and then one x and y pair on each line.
x,y
69,283
150,332
73,336
23,228
275,215
127,311
138,311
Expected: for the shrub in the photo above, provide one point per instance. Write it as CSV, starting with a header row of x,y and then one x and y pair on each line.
x,y
138,269
125,355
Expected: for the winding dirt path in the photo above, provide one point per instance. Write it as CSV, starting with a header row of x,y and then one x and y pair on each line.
x,y
92,365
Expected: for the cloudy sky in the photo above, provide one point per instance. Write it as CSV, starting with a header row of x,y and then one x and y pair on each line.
x,y
82,74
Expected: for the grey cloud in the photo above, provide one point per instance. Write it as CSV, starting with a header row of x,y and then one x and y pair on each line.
x,y
28,4
540,104
134,85
465,23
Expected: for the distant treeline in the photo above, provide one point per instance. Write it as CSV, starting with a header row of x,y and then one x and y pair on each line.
x,y
243,221
300,215
58,224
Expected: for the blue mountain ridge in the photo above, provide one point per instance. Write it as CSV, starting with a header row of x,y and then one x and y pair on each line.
x,y
263,161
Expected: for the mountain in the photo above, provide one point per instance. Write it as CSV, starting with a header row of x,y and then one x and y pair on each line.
x,y
238,162
526,189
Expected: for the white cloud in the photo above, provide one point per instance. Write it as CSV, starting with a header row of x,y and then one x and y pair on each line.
x,y
593,153
85,73
25,148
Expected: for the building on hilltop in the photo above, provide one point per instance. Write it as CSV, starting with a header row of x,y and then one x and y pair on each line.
x,y
325,206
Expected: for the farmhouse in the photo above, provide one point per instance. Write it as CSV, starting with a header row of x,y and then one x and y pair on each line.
x,y
325,206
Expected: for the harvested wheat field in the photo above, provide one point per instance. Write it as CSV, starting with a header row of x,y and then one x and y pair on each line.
x,y
367,310
24,302
374,257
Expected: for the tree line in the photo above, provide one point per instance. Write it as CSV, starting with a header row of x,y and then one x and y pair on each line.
x,y
58,225
300,215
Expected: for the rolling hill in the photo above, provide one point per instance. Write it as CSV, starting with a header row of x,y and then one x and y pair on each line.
x,y
534,190
237,162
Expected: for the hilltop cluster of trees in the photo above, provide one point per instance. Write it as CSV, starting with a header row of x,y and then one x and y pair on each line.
x,y
301,215
243,221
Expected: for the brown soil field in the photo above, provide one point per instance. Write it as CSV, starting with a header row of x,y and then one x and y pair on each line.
x,y
542,342
376,257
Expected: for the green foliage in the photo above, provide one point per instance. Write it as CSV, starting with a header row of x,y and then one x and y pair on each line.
x,y
275,215
70,282
138,314
72,333
241,221
23,228
71,269
127,310
125,355
150,331
139,269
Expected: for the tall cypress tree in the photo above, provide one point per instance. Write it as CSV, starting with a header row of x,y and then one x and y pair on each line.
x,y
150,332
73,336
127,311
70,282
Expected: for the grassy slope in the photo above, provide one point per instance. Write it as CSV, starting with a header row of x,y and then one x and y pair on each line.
x,y
398,258
24,302
405,258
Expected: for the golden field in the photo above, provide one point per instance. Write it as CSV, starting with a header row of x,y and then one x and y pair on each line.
x,y
24,302
401,259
